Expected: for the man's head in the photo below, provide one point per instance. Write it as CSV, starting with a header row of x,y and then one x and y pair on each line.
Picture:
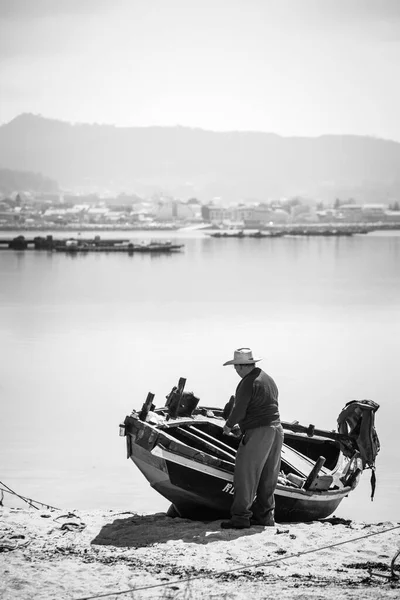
x,y
243,361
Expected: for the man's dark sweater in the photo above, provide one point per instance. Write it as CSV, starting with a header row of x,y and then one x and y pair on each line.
x,y
256,402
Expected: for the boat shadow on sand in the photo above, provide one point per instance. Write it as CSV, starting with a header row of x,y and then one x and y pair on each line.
x,y
138,531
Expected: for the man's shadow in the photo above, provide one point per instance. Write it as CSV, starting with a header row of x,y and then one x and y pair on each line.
x,y
138,531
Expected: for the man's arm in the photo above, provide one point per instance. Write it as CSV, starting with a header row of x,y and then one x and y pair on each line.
x,y
228,407
243,396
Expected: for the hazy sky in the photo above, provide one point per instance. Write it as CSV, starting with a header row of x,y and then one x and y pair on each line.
x,y
293,67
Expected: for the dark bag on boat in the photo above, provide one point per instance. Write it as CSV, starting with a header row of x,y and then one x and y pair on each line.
x,y
357,420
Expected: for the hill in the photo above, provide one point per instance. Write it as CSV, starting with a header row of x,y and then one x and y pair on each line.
x,y
186,162
13,181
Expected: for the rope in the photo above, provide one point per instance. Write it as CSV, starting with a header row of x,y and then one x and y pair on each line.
x,y
29,501
394,575
246,566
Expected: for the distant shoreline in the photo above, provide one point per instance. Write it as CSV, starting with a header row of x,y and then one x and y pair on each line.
x,y
205,227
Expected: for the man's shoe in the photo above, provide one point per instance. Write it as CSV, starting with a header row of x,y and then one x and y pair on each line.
x,y
269,523
231,525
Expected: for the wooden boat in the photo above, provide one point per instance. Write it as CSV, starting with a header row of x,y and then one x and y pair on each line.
x,y
183,453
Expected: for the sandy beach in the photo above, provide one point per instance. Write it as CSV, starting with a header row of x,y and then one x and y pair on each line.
x,y
75,555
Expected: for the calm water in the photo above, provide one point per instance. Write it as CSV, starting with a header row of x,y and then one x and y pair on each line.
x,y
85,338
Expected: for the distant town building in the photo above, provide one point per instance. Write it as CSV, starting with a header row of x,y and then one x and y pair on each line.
x,y
170,210
96,214
392,216
262,216
351,213
374,212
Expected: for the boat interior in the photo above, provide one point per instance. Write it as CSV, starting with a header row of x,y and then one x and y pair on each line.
x,y
299,452
306,453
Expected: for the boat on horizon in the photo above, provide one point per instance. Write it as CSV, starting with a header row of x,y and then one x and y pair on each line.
x,y
183,453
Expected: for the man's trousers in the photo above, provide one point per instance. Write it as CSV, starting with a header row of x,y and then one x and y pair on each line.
x,y
257,466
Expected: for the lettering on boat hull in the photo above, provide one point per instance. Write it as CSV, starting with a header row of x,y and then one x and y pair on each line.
x,y
229,489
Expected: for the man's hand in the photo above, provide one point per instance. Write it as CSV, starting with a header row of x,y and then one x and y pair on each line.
x,y
226,430
236,431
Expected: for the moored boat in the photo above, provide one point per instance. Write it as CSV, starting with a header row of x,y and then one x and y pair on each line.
x,y
181,450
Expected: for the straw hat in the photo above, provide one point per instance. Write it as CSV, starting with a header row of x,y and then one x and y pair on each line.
x,y
242,356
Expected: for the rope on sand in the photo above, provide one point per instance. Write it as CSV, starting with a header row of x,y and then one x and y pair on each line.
x,y
6,544
393,576
246,566
29,501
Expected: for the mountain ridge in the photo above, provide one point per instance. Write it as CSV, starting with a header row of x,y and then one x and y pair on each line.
x,y
27,117
187,161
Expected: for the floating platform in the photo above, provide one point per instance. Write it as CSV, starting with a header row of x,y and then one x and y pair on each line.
x,y
127,248
96,244
295,230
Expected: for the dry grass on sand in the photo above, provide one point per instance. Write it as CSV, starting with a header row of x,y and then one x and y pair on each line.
x,y
54,554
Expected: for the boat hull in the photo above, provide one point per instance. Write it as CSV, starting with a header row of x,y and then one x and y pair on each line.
x,y
203,492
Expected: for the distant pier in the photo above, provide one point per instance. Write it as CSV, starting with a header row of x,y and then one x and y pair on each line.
x,y
296,230
96,244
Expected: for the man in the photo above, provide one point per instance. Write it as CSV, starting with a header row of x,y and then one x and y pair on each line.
x,y
258,458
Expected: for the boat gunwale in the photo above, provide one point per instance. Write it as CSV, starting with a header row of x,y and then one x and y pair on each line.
x,y
291,427
205,455
162,428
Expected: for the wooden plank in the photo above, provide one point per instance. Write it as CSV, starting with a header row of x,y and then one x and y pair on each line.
x,y
314,472
297,461
210,437
174,399
220,453
146,406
